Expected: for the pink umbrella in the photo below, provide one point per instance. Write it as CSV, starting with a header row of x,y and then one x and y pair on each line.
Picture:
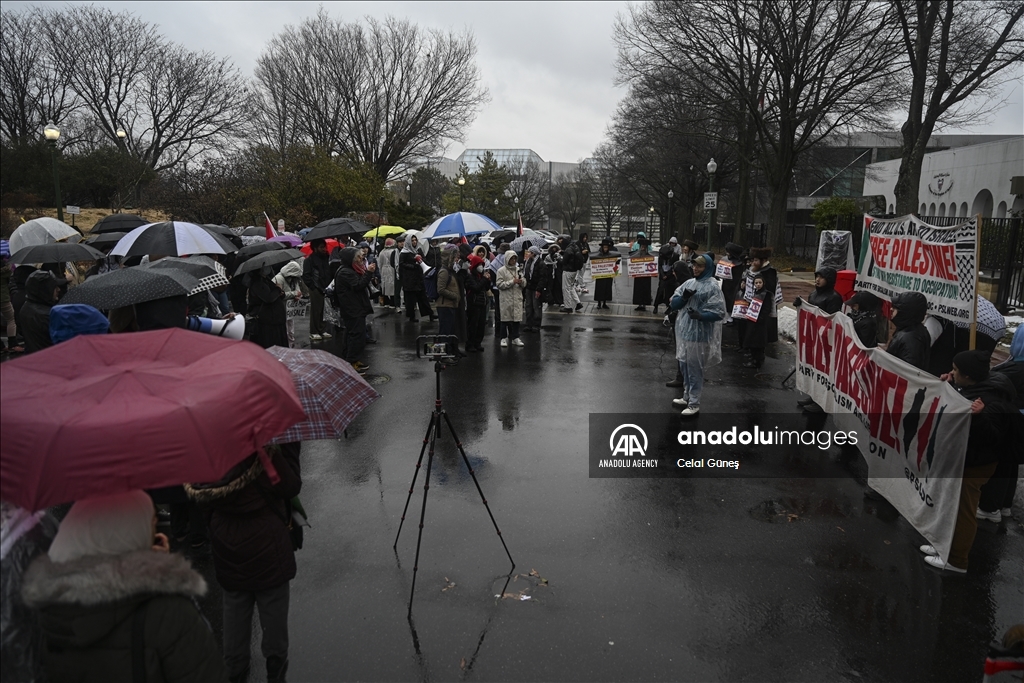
x,y
104,414
291,240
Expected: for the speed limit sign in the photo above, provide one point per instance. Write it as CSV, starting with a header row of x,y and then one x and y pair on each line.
x,y
710,200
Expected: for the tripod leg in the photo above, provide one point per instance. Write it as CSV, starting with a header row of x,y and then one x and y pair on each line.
x,y
416,473
423,510
465,459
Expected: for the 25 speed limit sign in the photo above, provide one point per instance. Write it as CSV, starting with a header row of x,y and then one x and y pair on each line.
x,y
710,200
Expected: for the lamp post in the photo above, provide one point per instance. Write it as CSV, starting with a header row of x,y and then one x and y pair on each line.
x,y
52,133
122,144
650,222
408,193
515,204
671,194
712,167
462,184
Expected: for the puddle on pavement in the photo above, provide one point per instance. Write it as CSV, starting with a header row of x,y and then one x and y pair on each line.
x,y
791,509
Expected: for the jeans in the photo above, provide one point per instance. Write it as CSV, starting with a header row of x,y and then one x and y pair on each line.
x,y
355,337
509,328
273,609
570,297
693,381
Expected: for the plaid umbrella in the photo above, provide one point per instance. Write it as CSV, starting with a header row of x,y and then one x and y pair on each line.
x,y
990,321
331,392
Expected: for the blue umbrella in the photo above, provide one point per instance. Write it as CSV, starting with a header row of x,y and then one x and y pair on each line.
x,y
461,223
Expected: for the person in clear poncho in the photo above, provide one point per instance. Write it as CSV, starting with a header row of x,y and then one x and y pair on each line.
x,y
701,308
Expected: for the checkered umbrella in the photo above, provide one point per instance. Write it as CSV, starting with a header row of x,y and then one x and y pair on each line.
x,y
331,392
990,321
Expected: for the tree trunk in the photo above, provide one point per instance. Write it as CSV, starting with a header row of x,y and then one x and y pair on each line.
x,y
777,211
908,183
742,200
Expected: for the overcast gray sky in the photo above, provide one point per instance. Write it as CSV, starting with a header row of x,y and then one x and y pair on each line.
x,y
549,66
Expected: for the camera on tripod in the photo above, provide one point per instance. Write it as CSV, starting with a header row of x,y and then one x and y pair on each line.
x,y
437,347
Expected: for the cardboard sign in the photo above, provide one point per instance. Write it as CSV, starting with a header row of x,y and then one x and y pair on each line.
x,y
604,267
723,270
643,266
754,310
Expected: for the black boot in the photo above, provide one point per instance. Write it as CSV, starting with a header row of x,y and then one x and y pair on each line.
x,y
276,669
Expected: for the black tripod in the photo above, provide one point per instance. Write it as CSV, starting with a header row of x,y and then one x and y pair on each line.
x,y
433,429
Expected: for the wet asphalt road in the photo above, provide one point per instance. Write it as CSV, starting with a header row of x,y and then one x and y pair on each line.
x,y
635,580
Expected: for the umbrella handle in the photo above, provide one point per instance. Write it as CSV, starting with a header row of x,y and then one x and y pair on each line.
x,y
268,466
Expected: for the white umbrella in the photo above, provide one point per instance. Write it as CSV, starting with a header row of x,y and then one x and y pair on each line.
x,y
172,238
43,230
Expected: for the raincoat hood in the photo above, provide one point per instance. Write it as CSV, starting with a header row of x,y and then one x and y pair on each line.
x,y
511,256
448,257
348,255
911,307
830,277
292,269
866,300
709,269
71,320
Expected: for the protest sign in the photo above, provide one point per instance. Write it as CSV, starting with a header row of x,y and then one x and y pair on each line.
x,y
723,270
604,267
915,425
754,310
642,266
908,255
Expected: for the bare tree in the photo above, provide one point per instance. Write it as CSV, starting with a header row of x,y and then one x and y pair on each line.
x,y
530,185
958,54
570,197
383,95
795,70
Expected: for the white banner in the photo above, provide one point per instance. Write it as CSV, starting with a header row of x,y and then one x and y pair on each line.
x,y
917,425
908,255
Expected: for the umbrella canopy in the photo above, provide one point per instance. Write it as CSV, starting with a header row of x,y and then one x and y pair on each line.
x,y
461,223
336,227
332,244
205,271
40,231
253,231
991,322
268,258
172,238
534,238
128,286
502,235
118,222
332,393
290,240
107,239
384,231
136,411
259,248
57,252
225,232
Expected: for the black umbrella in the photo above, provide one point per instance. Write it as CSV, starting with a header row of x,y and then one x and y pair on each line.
x,y
261,247
253,231
498,235
225,232
57,252
128,286
107,239
118,222
200,267
336,227
268,259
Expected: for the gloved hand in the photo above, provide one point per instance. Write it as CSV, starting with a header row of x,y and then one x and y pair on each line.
x,y
798,302
687,293
419,259
693,313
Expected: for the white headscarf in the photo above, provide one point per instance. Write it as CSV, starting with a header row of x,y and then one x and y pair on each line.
x,y
112,525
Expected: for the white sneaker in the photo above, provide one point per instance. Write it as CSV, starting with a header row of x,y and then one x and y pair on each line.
x,y
518,342
315,337
690,410
939,564
327,335
990,516
681,402
1006,512
504,343
929,550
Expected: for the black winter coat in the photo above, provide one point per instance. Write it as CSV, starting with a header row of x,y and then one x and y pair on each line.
x,y
987,442
827,299
409,272
93,608
247,518
316,271
34,325
351,288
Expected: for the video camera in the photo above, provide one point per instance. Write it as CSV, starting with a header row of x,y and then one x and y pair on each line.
x,y
437,347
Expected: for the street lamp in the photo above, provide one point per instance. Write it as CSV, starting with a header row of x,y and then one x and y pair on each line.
x,y
671,194
712,167
650,226
462,184
52,133
121,135
408,193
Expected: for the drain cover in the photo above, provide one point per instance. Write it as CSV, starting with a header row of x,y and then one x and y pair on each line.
x,y
375,380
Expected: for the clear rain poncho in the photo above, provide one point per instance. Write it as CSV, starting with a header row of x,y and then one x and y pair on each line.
x,y
699,341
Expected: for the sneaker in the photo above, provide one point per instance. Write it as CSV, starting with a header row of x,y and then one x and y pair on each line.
x,y
929,550
690,411
518,342
360,367
328,335
1006,512
579,307
315,337
990,516
937,562
675,383
680,402
504,343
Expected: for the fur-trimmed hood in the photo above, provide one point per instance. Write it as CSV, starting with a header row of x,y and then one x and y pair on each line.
x,y
100,579
240,476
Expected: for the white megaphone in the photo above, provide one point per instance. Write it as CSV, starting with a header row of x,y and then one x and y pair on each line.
x,y
425,267
231,329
